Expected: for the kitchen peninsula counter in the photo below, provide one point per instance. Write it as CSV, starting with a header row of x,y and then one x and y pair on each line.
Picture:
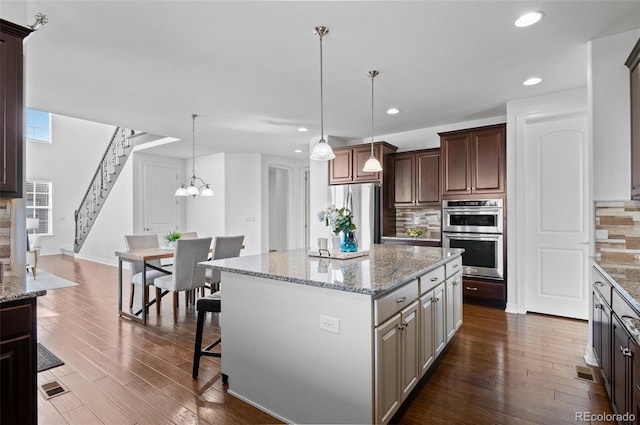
x,y
301,335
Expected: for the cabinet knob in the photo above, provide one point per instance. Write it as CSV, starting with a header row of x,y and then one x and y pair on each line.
x,y
433,279
401,299
471,288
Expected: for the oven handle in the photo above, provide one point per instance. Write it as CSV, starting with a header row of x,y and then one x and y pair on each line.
x,y
471,211
474,236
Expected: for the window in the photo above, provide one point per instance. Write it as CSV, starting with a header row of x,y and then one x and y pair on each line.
x,y
38,201
38,126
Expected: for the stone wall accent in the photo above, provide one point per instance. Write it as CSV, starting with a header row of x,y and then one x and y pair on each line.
x,y
6,224
427,219
618,232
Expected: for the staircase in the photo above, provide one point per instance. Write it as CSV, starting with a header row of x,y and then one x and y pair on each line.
x,y
104,179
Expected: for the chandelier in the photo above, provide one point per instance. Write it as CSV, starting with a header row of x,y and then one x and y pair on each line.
x,y
194,189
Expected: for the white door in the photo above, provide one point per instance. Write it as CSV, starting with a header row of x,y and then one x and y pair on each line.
x,y
161,213
557,216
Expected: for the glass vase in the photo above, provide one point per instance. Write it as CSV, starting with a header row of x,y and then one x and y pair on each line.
x,y
349,241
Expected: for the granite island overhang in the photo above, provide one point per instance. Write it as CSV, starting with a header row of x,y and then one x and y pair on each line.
x,y
299,333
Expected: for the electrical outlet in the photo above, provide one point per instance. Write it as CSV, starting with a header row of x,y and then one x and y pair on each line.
x,y
329,324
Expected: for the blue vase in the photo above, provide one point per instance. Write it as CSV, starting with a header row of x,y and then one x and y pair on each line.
x,y
349,241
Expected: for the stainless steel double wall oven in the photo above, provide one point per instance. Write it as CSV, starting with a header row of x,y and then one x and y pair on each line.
x,y
477,226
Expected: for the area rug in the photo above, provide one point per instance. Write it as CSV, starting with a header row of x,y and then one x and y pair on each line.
x,y
47,281
46,359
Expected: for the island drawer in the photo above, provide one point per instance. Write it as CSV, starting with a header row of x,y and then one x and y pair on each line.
x,y
454,266
429,280
390,304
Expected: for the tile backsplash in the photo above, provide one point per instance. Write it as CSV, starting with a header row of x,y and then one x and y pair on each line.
x,y
618,232
6,224
427,219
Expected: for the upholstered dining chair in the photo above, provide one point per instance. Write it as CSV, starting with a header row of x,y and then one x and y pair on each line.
x,y
141,242
189,235
186,276
33,253
223,247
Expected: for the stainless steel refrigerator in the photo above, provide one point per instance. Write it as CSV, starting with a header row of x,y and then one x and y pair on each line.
x,y
364,202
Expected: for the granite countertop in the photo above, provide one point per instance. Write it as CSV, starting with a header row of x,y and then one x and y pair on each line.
x,y
385,268
627,278
13,288
410,238
633,326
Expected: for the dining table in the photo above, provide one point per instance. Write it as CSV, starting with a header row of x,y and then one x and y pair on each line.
x,y
144,256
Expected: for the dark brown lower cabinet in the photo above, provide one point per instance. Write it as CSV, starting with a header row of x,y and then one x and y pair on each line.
x,y
623,371
18,362
492,292
614,347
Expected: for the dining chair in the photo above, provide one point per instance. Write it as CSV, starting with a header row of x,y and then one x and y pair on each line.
x,y
223,247
186,276
33,253
189,235
142,242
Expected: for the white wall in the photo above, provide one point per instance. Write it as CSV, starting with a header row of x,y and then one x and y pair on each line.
x,y
69,163
609,97
243,202
206,215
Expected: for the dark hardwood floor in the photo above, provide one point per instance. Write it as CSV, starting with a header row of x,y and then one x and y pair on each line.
x,y
500,369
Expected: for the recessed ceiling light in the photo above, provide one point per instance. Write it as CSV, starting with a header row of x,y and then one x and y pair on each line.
x,y
531,81
528,19
298,151
303,129
393,111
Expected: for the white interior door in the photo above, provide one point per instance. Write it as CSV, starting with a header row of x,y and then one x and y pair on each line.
x,y
161,211
557,216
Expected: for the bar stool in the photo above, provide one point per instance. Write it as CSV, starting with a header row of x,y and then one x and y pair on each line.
x,y
210,304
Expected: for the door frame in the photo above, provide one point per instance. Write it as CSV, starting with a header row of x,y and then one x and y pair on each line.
x,y
519,113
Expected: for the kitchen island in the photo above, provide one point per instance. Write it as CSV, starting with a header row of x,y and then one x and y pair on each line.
x,y
18,350
324,340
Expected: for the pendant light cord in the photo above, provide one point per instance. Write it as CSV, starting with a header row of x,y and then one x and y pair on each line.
x,y
193,139
372,74
321,94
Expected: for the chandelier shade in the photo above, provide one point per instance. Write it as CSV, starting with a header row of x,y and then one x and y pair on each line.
x,y
372,165
322,150
196,186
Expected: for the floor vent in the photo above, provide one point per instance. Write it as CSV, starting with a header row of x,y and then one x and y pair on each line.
x,y
52,389
585,373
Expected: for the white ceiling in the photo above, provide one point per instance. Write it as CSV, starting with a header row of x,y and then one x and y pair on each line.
x,y
250,70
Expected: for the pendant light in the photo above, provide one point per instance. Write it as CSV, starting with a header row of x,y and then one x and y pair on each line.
x,y
193,190
372,165
322,150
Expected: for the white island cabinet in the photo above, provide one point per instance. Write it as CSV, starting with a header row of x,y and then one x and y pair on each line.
x,y
318,340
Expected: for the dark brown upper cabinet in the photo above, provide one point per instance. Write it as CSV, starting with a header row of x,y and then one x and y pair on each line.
x,y
634,74
347,166
416,178
473,161
11,108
